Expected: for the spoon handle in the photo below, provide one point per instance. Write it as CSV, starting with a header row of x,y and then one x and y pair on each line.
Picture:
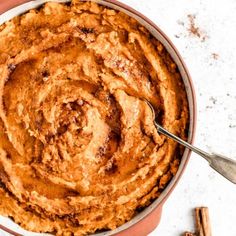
x,y
223,165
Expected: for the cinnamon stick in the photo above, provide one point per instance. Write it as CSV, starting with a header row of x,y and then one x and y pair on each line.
x,y
203,221
189,234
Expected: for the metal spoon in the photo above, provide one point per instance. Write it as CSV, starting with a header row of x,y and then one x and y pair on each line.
x,y
223,165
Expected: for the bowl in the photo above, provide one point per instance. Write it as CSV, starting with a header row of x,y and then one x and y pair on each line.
x,y
148,219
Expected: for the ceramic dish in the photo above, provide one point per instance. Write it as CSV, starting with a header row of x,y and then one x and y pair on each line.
x,y
147,220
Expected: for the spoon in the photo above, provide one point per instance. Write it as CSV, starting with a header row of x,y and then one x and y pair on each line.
x,y
223,165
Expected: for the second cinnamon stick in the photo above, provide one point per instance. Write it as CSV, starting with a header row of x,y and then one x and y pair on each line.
x,y
203,221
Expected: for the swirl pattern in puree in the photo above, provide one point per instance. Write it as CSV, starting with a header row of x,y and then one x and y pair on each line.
x,y
78,148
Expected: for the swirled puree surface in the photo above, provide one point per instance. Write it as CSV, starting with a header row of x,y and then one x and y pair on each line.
x,y
78,148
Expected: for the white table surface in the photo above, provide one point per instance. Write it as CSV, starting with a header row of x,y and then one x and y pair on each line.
x,y
215,85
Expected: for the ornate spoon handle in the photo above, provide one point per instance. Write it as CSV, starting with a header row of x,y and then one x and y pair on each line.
x,y
223,165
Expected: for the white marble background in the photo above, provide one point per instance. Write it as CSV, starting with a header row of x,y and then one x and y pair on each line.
x,y
212,64
214,78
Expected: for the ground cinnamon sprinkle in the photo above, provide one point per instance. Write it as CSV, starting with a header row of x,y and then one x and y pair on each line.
x,y
215,56
192,28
